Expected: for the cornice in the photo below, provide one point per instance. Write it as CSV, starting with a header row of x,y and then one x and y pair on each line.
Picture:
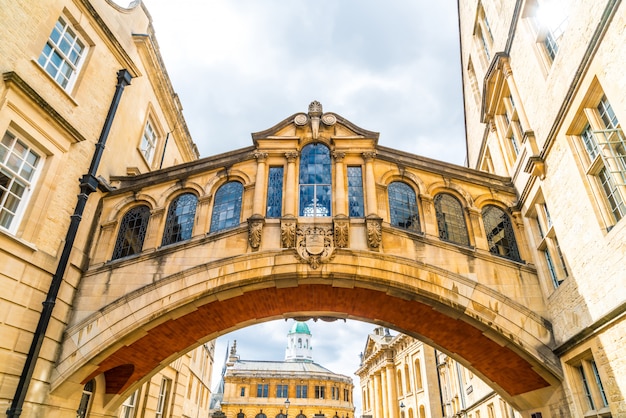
x,y
17,83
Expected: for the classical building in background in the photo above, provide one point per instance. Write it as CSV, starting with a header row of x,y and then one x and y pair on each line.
x,y
401,377
296,387
544,101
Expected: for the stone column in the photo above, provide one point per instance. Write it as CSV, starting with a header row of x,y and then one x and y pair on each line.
x,y
476,231
152,239
370,184
378,404
392,395
259,186
340,184
290,193
429,222
383,388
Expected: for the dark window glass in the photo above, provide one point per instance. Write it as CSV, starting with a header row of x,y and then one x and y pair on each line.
x,y
275,193
499,231
450,219
180,218
302,391
262,390
282,391
320,392
403,206
315,180
355,192
227,207
241,415
132,232
260,415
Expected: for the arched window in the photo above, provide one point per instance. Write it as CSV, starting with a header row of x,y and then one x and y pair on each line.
x,y
315,180
132,232
407,378
281,415
300,415
227,206
399,382
418,375
260,415
450,219
180,217
85,399
241,414
403,206
499,232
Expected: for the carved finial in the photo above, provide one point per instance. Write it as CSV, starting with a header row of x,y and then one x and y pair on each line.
x,y
315,108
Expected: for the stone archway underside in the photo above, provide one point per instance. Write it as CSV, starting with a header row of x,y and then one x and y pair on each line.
x,y
500,364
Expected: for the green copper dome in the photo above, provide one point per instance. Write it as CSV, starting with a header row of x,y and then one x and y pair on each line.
x,y
299,328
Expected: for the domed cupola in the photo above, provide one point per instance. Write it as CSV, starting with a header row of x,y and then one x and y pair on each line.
x,y
299,343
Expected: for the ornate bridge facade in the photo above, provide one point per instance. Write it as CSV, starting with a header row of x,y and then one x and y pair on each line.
x,y
315,220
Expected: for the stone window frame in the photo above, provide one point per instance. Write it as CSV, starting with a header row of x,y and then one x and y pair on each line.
x,y
552,263
140,220
355,193
589,385
18,169
604,174
220,206
547,36
149,141
512,249
61,64
411,212
184,219
446,229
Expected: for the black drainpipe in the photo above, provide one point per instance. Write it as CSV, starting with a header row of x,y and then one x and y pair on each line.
x,y
88,185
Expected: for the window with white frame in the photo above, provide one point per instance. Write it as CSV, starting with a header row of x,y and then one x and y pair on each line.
x,y
482,34
148,142
19,167
548,20
604,157
63,54
163,397
592,396
128,407
549,247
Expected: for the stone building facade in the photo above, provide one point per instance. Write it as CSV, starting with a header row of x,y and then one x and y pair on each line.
x,y
544,100
60,62
402,377
296,387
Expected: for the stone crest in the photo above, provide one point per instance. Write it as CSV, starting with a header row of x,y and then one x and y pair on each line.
x,y
255,229
315,244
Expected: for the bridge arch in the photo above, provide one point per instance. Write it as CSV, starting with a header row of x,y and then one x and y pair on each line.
x,y
498,338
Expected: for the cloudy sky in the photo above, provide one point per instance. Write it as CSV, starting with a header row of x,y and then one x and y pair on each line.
x,y
241,66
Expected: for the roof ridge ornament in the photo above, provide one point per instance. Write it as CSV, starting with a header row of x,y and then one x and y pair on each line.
x,y
314,115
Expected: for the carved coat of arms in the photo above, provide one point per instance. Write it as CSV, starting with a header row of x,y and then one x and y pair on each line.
x,y
315,244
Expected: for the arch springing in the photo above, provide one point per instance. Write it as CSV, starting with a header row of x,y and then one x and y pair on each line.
x,y
180,219
403,206
499,232
315,180
132,232
227,206
450,219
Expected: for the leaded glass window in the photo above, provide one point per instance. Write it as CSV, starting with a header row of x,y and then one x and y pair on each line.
x,y
275,193
355,192
180,219
315,180
499,232
132,232
403,206
227,207
450,219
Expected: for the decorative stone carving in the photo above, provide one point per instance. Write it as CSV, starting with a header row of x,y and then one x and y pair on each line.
x,y
260,156
315,244
255,229
291,156
369,155
329,119
339,155
301,119
374,231
342,229
288,234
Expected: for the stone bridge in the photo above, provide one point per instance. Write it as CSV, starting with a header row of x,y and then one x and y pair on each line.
x,y
314,220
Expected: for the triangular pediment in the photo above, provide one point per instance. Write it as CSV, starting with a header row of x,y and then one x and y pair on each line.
x,y
315,125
